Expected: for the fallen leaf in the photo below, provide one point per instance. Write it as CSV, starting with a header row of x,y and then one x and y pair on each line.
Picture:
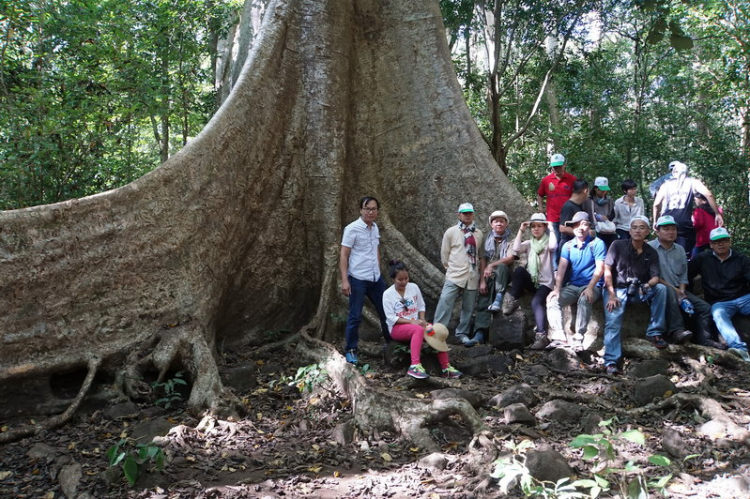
x,y
5,474
337,474
4,428
386,457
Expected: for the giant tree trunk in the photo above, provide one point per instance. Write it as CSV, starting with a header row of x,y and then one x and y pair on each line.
x,y
239,231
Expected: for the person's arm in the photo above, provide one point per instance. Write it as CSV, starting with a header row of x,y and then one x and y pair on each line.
x,y
653,270
562,267
445,250
519,238
485,271
657,203
613,302
700,187
552,246
540,203
344,269
598,270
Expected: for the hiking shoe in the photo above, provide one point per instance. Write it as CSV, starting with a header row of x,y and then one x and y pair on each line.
x,y
681,337
540,342
451,372
742,354
658,341
351,357
613,369
478,337
510,305
417,371
496,305
556,344
464,339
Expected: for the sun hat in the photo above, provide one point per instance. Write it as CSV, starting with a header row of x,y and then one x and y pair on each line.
x,y
435,335
557,160
498,214
640,218
719,233
466,208
538,217
578,217
602,183
665,220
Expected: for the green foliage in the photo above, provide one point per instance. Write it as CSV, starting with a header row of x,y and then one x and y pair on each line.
x,y
134,460
168,390
308,377
602,451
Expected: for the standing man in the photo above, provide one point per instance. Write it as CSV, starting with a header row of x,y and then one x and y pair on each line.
x,y
460,253
495,273
726,286
584,255
557,187
675,198
359,264
673,269
631,272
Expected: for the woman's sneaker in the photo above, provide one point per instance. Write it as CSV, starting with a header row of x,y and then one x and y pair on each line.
x,y
451,372
351,357
417,371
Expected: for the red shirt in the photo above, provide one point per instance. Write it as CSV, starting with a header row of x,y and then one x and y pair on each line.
x,y
557,192
704,223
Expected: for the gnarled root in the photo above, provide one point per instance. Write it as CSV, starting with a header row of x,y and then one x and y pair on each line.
x,y
378,410
60,419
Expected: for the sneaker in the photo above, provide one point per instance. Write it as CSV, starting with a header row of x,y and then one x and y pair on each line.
x,y
681,337
556,344
540,342
417,371
613,369
351,357
478,337
464,339
739,352
451,372
658,341
510,305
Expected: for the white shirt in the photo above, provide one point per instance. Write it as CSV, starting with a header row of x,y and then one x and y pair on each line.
x,y
407,306
363,258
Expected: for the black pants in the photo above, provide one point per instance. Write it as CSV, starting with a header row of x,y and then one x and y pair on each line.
x,y
521,282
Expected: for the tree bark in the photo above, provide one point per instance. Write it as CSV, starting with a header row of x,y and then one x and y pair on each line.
x,y
239,232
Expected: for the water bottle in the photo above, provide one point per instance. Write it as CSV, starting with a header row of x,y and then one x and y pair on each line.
x,y
686,306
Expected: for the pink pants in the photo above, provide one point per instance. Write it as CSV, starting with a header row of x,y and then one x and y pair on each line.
x,y
414,335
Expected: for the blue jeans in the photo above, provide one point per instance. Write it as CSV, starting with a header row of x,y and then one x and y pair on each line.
x,y
723,311
558,251
444,308
372,290
657,300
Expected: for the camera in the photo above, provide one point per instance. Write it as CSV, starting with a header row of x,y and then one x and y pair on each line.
x,y
634,286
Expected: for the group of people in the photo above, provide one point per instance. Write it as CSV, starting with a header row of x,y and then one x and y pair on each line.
x,y
585,248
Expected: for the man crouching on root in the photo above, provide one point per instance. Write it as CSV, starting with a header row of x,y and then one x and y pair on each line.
x,y
631,272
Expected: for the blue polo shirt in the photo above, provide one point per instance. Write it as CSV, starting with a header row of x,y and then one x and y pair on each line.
x,y
582,259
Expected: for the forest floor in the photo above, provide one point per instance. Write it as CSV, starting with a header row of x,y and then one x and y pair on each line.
x,y
293,440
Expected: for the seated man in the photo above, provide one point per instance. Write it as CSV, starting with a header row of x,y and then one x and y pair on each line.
x,y
726,286
631,272
495,271
673,267
582,266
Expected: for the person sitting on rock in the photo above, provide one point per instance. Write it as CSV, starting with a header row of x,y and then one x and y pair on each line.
x,y
725,275
579,280
537,276
673,267
495,270
631,273
460,253
404,312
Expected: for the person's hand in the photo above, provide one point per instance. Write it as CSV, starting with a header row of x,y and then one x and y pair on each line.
x,y
524,226
719,220
482,287
553,295
419,322
551,225
613,302
346,289
590,296
488,271
680,295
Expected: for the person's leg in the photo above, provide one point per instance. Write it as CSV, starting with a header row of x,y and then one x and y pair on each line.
x,y
558,251
674,323
468,303
520,281
539,307
686,239
583,314
443,360
502,278
445,304
723,312
412,334
356,301
568,294
702,323
482,319
657,300
375,292
612,327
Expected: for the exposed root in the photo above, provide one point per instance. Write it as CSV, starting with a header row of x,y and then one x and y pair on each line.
x,y
378,410
55,421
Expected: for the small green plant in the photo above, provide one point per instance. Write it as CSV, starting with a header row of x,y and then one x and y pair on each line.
x,y
308,377
134,461
169,390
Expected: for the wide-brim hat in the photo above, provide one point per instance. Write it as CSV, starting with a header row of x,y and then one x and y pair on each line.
x,y
436,336
499,214
578,217
538,217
